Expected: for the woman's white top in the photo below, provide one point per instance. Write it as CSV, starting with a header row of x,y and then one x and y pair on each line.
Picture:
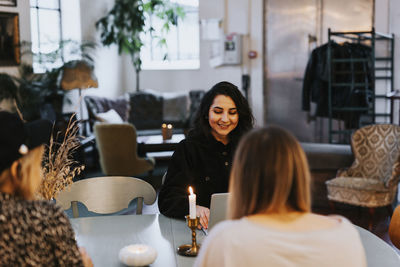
x,y
244,243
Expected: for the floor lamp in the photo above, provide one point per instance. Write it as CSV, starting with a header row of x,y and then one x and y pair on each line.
x,y
78,74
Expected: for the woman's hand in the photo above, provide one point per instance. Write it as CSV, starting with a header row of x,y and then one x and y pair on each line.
x,y
87,261
204,214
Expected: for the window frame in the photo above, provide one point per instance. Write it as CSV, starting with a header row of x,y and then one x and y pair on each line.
x,y
173,64
41,68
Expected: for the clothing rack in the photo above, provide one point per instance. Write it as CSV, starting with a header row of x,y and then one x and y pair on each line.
x,y
376,81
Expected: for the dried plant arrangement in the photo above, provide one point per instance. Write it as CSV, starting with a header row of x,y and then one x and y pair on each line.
x,y
59,167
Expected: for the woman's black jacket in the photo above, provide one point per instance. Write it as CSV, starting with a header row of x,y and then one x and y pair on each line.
x,y
200,162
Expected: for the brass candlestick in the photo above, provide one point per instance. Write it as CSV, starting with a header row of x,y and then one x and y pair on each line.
x,y
190,250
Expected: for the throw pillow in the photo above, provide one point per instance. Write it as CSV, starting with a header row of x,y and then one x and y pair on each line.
x,y
96,104
110,116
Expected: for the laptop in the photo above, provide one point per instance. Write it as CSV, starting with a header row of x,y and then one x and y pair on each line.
x,y
218,209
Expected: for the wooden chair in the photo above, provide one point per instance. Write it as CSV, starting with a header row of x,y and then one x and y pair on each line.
x,y
106,194
117,147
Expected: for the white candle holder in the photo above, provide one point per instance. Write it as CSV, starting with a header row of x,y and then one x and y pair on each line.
x,y
137,255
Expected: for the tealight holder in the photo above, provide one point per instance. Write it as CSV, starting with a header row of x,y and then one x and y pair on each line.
x,y
166,131
190,250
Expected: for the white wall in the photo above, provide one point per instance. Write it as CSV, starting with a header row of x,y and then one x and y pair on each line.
x,y
206,76
71,23
387,20
116,74
23,10
256,68
108,65
394,27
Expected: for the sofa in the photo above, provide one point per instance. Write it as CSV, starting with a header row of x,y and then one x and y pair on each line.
x,y
146,109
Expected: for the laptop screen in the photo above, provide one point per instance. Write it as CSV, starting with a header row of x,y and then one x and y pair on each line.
x,y
218,208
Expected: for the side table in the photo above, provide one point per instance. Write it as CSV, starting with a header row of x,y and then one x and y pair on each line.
x,y
154,145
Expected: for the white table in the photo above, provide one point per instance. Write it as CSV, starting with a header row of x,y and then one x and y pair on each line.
x,y
154,145
379,253
104,236
157,139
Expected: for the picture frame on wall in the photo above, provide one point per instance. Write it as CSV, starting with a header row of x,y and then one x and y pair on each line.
x,y
10,54
8,2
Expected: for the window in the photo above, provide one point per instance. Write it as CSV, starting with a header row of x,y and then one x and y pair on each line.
x,y
52,42
182,50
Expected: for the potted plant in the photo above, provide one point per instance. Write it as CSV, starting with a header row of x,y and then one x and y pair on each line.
x,y
59,165
125,23
36,90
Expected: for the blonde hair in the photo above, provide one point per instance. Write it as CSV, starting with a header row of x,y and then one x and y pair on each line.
x,y
26,178
270,174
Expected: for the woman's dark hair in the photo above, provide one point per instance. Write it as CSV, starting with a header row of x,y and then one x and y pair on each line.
x,y
246,120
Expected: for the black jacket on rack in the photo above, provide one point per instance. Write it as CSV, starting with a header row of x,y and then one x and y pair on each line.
x,y
352,81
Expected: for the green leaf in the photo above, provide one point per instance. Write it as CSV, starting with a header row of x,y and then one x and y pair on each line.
x,y
166,27
180,12
162,42
125,23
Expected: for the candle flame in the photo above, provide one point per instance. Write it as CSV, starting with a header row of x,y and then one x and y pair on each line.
x,y
190,190
169,126
164,125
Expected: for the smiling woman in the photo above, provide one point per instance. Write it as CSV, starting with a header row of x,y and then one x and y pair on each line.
x,y
203,160
223,118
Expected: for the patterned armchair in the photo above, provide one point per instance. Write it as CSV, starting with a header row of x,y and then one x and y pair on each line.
x,y
372,179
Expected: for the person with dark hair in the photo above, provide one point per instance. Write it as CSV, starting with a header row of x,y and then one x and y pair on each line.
x,y
32,232
271,223
203,160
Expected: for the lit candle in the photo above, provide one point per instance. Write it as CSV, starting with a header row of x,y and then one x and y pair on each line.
x,y
169,126
192,204
164,131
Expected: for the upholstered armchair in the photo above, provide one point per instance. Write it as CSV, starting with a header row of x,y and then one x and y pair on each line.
x,y
371,181
117,147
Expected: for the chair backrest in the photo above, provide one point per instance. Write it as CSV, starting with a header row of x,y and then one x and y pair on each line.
x,y
376,150
117,147
107,194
